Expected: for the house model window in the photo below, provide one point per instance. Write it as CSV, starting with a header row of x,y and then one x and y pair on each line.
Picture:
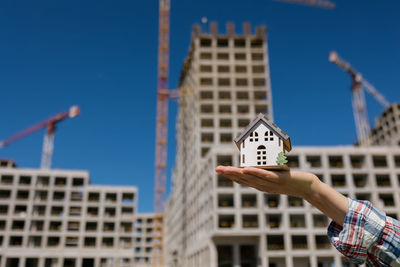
x,y
263,144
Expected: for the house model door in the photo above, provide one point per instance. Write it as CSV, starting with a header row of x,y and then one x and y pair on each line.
x,y
261,155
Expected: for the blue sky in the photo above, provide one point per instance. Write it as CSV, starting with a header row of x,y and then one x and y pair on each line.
x,y
102,55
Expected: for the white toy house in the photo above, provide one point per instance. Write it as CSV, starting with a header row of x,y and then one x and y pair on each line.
x,y
261,143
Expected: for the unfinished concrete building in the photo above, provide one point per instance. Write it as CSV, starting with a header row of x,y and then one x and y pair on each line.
x,y
56,218
387,128
211,221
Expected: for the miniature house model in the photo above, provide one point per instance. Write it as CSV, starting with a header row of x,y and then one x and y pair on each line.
x,y
262,144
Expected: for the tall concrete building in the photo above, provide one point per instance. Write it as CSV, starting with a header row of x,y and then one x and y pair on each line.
x,y
56,218
387,128
211,221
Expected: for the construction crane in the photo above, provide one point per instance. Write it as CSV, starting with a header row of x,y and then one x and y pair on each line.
x,y
358,98
48,142
163,96
315,3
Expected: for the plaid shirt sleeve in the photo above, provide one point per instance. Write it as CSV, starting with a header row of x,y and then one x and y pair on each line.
x,y
367,235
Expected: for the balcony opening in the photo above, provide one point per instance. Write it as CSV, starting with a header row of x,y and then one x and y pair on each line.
x,y
126,211
224,182
43,180
21,210
357,161
379,161
223,69
224,82
226,221
258,69
108,227
240,56
126,227
259,82
204,151
297,221
243,123
383,180
90,242
3,209
225,201
335,161
94,197
248,255
226,138
325,261
41,195
207,137
75,211
107,242
274,220
18,225
91,226
242,82
73,226
57,211
257,56
205,56
338,180
322,242
397,161
206,95
205,42
314,161
272,201
206,109
256,43
92,211
12,262
223,56
387,200
111,197
35,241
58,196
293,161
77,196
24,180
15,241
53,241
225,160
249,221
260,95
299,242
225,123
360,180
60,181
32,262
125,242
205,68
22,195
223,95
249,201
55,226
5,194
78,181
206,81
242,95
320,220
243,109
241,69
261,108
240,42
363,196
295,201
225,255
7,179
71,241
275,242
110,212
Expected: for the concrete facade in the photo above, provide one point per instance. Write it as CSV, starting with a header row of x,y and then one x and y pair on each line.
x,y
211,221
387,128
56,218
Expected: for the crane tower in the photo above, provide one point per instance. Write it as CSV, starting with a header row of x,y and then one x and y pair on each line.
x,y
358,98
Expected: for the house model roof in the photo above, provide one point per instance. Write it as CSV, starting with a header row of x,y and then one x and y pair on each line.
x,y
261,118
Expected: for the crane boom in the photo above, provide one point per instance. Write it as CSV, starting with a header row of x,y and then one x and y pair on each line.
x,y
358,97
315,3
48,142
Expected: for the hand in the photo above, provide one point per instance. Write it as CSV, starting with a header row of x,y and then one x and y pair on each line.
x,y
293,183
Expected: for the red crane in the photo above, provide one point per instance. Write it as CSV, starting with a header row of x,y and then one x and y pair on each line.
x,y
48,142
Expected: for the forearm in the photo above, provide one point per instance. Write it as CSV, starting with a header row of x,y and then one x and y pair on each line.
x,y
328,201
